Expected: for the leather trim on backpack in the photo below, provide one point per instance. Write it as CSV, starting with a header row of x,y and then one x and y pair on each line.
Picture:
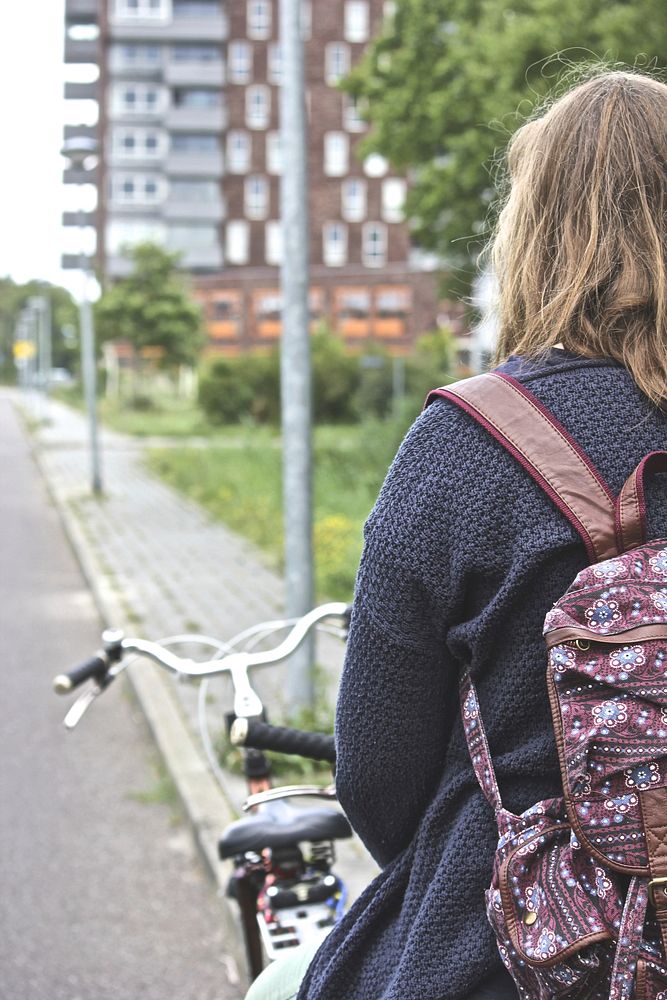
x,y
511,414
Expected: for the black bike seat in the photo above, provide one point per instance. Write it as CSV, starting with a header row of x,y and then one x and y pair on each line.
x,y
257,832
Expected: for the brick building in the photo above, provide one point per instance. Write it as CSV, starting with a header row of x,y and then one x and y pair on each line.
x,y
188,128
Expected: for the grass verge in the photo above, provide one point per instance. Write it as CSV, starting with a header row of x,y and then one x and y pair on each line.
x,y
239,482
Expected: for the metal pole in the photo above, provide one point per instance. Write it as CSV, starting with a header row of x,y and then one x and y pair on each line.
x,y
295,349
88,367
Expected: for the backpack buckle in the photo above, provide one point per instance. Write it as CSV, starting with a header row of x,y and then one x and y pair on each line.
x,y
661,885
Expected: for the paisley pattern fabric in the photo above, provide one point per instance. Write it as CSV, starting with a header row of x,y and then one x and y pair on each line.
x,y
569,897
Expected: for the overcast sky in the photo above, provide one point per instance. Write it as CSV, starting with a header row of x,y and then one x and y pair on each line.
x,y
31,122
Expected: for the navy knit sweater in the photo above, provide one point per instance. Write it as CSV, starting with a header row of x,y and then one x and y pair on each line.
x,y
463,557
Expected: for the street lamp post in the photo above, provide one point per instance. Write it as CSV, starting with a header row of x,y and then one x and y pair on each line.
x,y
295,350
79,150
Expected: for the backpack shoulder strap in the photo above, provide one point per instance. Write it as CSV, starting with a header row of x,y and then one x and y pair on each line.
x,y
631,503
526,428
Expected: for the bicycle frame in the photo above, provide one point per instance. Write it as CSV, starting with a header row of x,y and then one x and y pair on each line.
x,y
284,894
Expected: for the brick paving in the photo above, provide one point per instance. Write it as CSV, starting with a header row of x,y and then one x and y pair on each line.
x,y
160,565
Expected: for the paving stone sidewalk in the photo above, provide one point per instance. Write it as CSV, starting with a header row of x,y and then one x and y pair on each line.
x,y
158,565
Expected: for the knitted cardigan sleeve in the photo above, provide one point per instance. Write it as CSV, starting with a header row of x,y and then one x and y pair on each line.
x,y
398,693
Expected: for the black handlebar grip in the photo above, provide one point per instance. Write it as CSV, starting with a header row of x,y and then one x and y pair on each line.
x,y
96,667
261,736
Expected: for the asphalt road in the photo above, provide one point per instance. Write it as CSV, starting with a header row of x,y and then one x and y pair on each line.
x,y
101,895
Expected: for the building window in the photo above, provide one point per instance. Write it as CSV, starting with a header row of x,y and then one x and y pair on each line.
x,y
193,191
274,155
374,244
137,189
256,197
194,142
356,21
273,243
142,9
122,233
195,53
259,19
393,199
258,106
353,199
240,62
196,8
336,154
138,143
192,237
238,152
136,99
199,99
274,66
237,242
136,56
336,62
352,308
334,244
375,165
352,119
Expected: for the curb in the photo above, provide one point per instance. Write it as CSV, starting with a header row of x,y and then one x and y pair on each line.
x,y
207,809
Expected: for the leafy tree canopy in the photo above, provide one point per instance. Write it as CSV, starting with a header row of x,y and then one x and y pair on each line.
x,y
447,82
151,307
64,319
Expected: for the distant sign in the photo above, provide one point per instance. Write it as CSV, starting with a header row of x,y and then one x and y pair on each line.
x,y
24,349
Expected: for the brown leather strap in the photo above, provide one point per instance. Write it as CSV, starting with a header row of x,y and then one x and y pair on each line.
x,y
545,449
631,503
654,814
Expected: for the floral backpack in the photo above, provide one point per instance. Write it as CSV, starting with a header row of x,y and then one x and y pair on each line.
x,y
578,901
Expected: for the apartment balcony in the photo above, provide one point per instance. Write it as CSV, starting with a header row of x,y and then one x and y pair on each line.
x,y
79,131
195,119
193,211
81,11
120,66
117,266
194,165
80,218
72,262
75,176
82,91
82,50
202,258
196,73
182,29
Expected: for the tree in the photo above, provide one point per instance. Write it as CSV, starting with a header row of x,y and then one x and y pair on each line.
x,y
64,321
151,308
446,83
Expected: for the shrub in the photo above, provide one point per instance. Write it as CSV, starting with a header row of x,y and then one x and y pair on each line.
x,y
223,396
335,379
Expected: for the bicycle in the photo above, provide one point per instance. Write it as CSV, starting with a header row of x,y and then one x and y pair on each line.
x,y
283,880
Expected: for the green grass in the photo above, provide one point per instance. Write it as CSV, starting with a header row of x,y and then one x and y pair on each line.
x,y
240,483
156,415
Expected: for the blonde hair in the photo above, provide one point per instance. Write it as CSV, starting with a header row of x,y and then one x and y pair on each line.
x,y
580,245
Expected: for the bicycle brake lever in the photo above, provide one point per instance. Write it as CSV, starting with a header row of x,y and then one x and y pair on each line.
x,y
81,706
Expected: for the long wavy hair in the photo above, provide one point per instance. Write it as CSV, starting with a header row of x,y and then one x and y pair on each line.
x,y
580,248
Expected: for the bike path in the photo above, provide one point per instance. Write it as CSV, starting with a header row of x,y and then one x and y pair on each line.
x,y
159,565
103,897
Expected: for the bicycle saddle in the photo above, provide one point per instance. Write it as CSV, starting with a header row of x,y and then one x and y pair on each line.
x,y
289,827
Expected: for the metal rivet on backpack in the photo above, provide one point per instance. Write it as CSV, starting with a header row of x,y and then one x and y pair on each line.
x,y
529,918
582,643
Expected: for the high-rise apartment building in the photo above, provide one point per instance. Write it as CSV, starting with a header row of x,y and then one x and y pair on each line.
x,y
188,130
